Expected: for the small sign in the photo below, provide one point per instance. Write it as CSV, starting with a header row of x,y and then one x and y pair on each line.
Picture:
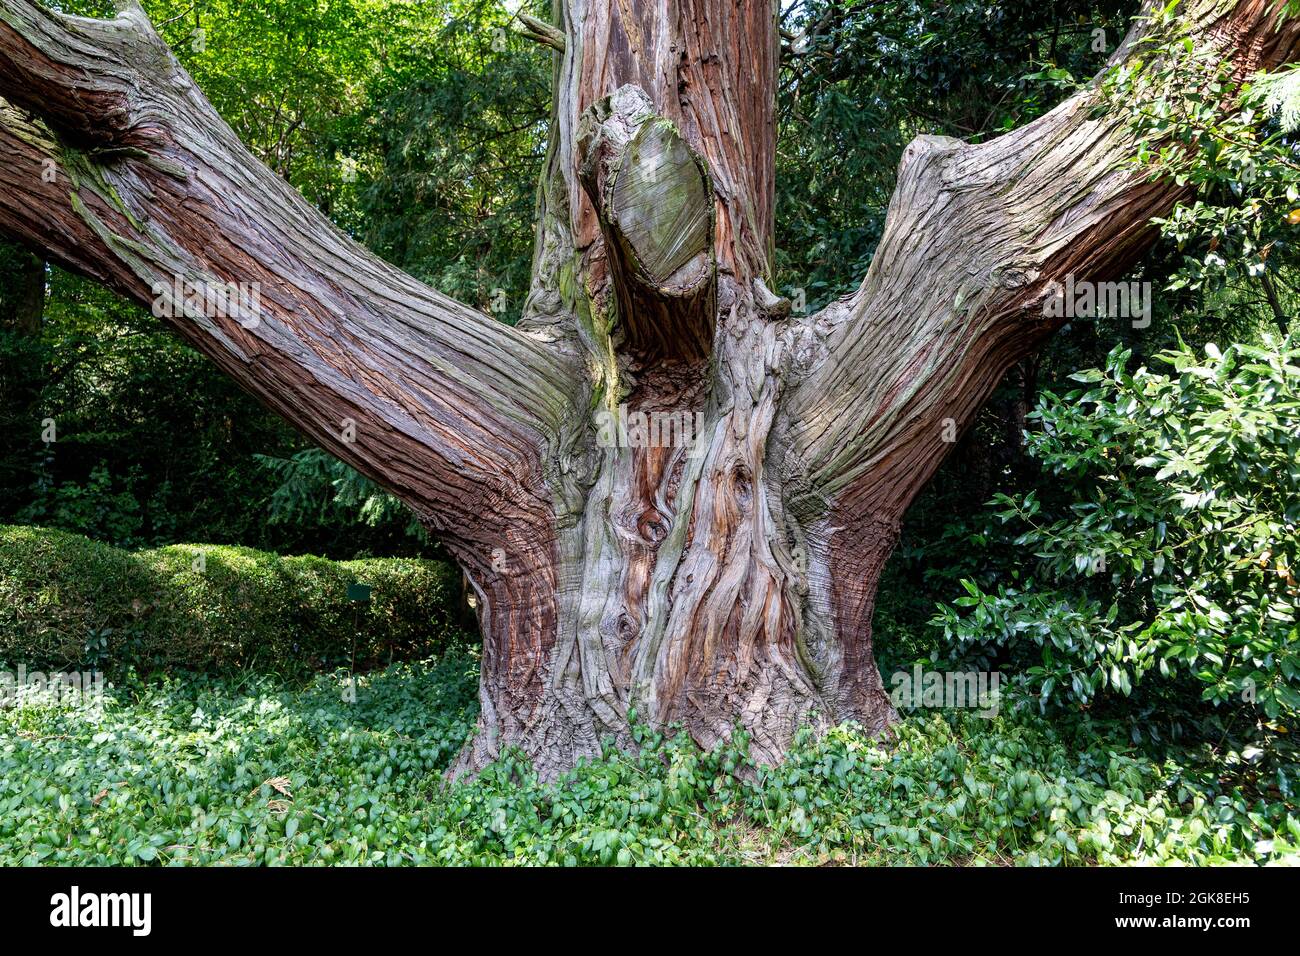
x,y
358,592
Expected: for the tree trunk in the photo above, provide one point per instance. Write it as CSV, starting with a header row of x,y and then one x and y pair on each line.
x,y
22,290
671,495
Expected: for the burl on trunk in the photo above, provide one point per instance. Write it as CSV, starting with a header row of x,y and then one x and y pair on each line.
x,y
672,494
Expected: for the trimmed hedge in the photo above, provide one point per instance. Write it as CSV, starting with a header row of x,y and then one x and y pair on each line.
x,y
69,602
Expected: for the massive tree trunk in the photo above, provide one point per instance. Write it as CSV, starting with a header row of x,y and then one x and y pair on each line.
x,y
671,495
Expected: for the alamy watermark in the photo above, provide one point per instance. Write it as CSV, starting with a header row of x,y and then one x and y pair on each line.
x,y
675,429
974,690
182,298
75,908
76,688
1089,300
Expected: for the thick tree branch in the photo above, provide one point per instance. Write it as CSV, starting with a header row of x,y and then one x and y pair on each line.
x,y
974,238
889,378
114,165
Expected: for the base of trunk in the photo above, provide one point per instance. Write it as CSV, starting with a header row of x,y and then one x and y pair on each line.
x,y
780,656
566,729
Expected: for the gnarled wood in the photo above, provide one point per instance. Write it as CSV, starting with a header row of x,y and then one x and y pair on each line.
x,y
975,237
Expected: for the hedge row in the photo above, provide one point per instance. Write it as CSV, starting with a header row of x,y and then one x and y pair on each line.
x,y
69,602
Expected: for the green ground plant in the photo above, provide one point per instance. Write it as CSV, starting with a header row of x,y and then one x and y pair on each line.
x,y
248,771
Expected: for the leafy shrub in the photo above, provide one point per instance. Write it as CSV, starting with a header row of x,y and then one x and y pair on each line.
x,y
67,601
317,488
217,771
95,507
1171,544
1234,145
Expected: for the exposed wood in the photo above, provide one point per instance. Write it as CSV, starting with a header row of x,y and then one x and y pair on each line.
x,y
539,31
652,194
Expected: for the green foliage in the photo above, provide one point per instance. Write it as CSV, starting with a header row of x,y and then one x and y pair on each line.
x,y
860,80
315,487
1281,97
69,602
458,140
99,507
1169,542
1235,147
206,771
